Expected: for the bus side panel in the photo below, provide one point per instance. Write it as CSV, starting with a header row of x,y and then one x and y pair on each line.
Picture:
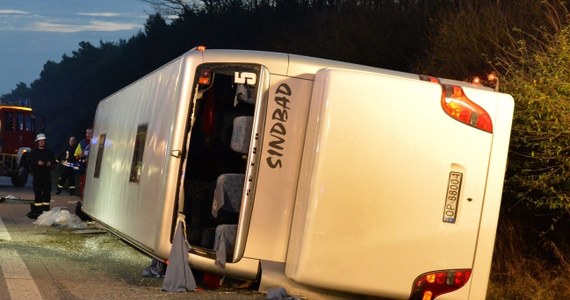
x,y
134,209
373,185
174,150
494,191
284,133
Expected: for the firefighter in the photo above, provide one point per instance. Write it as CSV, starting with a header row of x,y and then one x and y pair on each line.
x,y
42,161
82,156
66,159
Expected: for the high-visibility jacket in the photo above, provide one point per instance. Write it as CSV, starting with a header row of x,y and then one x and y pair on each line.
x,y
82,154
82,150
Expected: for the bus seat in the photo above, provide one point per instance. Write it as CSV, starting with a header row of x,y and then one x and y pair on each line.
x,y
229,187
224,242
228,192
241,134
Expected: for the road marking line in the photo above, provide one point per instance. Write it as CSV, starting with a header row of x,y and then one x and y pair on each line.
x,y
20,283
4,235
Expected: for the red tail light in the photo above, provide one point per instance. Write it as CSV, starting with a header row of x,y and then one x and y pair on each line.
x,y
430,285
456,104
429,78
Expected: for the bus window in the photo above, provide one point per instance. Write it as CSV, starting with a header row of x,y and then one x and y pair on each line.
x,y
223,94
138,151
100,149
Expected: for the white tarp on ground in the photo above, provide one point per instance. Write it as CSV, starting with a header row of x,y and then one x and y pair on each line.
x,y
8,197
58,216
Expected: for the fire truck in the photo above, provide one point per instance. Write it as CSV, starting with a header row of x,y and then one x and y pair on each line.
x,y
17,133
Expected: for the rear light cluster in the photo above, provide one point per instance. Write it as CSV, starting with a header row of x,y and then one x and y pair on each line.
x,y
458,106
429,78
430,285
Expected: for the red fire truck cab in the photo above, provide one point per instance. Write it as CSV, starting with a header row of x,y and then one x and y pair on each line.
x,y
17,133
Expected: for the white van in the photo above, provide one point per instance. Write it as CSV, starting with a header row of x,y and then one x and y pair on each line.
x,y
326,178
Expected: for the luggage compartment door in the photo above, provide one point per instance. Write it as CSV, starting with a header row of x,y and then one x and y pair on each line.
x,y
390,186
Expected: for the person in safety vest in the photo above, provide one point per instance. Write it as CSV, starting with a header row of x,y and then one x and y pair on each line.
x,y
41,161
69,165
82,156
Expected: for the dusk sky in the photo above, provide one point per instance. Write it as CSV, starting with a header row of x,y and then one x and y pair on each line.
x,y
35,31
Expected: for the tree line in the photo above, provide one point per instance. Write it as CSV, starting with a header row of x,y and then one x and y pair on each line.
x,y
385,34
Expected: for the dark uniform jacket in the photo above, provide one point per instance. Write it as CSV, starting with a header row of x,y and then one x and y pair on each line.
x,y
44,155
67,156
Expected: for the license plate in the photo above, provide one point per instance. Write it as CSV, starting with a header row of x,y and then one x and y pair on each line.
x,y
452,197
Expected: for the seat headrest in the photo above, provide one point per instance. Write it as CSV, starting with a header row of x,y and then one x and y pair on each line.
x,y
244,93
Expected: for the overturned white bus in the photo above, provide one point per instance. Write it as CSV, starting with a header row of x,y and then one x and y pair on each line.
x,y
323,177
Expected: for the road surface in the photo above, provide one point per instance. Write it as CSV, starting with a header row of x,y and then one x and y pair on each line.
x,y
59,262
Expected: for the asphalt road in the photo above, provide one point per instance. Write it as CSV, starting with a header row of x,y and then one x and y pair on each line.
x,y
67,262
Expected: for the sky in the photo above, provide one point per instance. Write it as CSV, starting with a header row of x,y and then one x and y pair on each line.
x,y
35,31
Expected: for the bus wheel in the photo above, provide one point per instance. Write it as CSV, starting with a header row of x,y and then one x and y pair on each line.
x,y
20,177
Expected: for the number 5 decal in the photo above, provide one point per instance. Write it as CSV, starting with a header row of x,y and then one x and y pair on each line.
x,y
245,77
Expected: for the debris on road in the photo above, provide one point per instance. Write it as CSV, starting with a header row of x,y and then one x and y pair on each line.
x,y
60,217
